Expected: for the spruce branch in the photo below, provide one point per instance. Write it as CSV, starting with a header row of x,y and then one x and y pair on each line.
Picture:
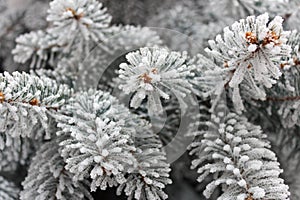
x,y
251,50
28,101
48,179
99,148
88,16
286,94
238,153
93,69
37,46
148,178
44,47
112,146
153,73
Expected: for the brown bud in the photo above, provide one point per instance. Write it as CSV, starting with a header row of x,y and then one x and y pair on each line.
x,y
2,97
76,16
146,78
34,102
271,37
225,64
154,71
251,38
249,198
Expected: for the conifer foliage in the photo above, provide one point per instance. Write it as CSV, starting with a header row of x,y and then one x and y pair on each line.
x,y
238,153
102,107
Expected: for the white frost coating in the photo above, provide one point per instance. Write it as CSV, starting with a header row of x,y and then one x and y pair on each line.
x,y
257,192
107,152
28,102
114,155
246,166
242,183
47,178
252,47
256,48
154,73
73,19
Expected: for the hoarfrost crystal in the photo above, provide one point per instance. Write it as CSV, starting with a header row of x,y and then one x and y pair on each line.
x,y
87,16
251,50
153,73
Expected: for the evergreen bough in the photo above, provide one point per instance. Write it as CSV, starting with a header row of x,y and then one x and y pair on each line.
x,y
65,126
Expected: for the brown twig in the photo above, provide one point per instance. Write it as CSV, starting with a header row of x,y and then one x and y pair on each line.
x,y
33,102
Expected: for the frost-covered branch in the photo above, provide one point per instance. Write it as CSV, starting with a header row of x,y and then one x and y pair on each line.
x,y
76,21
48,179
27,101
37,46
238,153
149,177
112,146
251,51
154,73
62,124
